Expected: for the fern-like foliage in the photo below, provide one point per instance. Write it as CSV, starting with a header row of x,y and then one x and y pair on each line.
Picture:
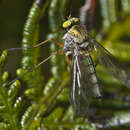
x,y
36,100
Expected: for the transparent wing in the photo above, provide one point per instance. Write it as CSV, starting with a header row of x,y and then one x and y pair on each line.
x,y
81,88
111,64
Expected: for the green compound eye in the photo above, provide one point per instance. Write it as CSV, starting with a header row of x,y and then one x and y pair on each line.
x,y
66,24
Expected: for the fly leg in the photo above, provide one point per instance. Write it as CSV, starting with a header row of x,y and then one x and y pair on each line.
x,y
68,61
35,46
32,69
38,45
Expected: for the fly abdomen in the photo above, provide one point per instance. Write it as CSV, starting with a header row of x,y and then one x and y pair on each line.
x,y
92,77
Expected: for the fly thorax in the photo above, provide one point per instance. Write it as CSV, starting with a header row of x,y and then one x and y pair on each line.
x,y
78,33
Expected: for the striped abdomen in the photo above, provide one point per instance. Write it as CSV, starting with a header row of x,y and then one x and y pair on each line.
x,y
92,76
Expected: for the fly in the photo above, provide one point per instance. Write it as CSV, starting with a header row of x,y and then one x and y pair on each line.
x,y
84,82
78,44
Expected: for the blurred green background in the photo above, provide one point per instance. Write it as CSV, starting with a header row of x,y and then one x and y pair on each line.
x,y
27,22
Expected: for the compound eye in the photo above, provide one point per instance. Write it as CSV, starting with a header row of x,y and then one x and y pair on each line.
x,y
66,24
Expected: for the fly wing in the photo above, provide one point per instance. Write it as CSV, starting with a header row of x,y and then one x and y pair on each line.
x,y
80,94
111,64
